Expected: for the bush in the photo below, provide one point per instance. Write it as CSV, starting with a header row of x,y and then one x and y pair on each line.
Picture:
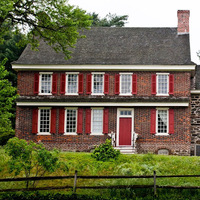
x,y
5,137
105,151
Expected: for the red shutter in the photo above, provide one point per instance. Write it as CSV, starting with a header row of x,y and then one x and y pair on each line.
x,y
134,84
53,121
153,84
61,120
36,83
62,83
105,120
80,84
117,83
35,121
171,121
89,83
106,83
80,121
171,84
54,84
88,121
153,121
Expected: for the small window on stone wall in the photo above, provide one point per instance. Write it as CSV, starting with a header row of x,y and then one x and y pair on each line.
x,y
163,152
197,150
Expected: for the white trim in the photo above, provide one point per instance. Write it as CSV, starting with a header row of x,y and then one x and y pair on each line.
x,y
129,116
112,104
91,128
65,120
44,133
40,83
66,83
162,134
158,94
195,91
105,67
95,73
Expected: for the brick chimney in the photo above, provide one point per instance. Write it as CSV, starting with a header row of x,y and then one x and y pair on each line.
x,y
183,21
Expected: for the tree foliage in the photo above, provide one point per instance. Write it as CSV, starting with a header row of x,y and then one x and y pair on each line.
x,y
31,159
110,20
57,22
7,98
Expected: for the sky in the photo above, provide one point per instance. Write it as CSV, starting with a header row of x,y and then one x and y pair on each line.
x,y
149,13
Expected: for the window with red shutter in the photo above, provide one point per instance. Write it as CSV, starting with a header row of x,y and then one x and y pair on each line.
x,y
35,121
36,83
88,121
105,120
134,84
171,84
61,120
117,83
80,84
153,84
62,83
53,121
171,121
80,121
54,84
106,83
89,84
153,121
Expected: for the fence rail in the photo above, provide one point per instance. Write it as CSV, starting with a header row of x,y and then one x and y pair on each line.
x,y
76,177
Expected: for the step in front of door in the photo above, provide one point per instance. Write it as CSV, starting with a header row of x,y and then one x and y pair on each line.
x,y
126,150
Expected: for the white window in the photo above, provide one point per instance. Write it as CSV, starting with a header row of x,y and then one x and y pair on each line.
x,y
162,121
45,83
71,120
125,84
44,120
162,84
97,83
97,120
72,83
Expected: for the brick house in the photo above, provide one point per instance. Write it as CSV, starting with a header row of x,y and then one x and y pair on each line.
x,y
130,84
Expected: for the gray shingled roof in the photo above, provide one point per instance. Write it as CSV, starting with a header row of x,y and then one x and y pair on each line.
x,y
118,46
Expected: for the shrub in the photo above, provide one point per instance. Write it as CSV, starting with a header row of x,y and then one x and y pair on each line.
x,y
105,151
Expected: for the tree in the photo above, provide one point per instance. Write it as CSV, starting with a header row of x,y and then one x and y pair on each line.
x,y
7,97
55,21
31,159
111,20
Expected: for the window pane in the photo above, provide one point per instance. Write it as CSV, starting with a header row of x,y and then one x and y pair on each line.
x,y
97,83
44,120
71,121
97,121
45,83
72,83
126,83
162,121
162,83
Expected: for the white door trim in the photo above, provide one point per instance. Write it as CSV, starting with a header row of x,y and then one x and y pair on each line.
x,y
127,116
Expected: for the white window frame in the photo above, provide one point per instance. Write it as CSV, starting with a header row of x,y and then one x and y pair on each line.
x,y
92,109
65,118
74,73
158,94
160,134
40,83
39,113
120,81
96,73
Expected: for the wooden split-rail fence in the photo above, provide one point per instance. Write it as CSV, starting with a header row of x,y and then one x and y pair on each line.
x,y
76,177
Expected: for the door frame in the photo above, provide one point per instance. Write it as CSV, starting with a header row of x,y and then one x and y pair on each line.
x,y
125,116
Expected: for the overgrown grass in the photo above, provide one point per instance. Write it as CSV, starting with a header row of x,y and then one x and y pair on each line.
x,y
124,165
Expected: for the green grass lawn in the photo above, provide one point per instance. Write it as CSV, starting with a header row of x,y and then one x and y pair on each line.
x,y
136,164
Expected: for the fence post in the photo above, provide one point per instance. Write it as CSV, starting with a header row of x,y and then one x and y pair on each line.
x,y
154,178
75,181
